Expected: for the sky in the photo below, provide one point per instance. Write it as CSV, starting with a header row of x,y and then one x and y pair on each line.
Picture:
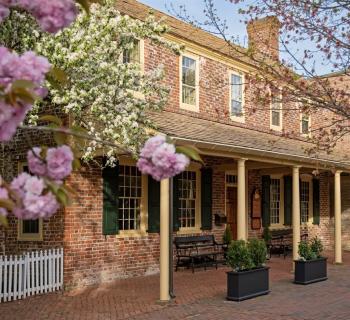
x,y
227,11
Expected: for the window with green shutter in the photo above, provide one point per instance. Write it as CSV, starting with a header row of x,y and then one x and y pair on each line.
x,y
288,200
316,201
110,200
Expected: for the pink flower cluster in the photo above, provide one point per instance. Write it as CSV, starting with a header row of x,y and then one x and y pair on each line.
x,y
30,67
160,160
4,195
36,201
57,164
52,16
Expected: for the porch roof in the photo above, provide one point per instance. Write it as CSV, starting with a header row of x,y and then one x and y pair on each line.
x,y
245,142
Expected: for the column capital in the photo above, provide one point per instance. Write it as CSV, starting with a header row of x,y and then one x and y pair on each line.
x,y
338,171
297,166
242,159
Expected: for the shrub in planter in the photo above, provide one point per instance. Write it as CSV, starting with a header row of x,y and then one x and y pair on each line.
x,y
249,276
311,267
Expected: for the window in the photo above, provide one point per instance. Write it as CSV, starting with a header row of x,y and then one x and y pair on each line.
x,y
133,55
236,95
231,178
189,83
276,110
29,230
305,125
130,194
275,201
187,198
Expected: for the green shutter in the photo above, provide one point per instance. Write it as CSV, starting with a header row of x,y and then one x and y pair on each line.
x,y
316,201
176,203
153,205
265,198
206,198
288,200
110,200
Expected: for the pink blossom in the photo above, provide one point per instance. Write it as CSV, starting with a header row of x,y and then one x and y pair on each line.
x,y
4,12
36,164
34,185
18,183
160,160
50,205
51,15
3,195
59,162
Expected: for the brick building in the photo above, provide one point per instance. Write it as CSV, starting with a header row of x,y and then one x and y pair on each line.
x,y
247,156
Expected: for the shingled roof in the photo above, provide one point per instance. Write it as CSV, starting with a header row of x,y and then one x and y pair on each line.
x,y
240,140
182,29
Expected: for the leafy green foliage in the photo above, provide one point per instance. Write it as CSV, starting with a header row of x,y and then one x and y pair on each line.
x,y
310,250
267,235
239,257
227,237
258,251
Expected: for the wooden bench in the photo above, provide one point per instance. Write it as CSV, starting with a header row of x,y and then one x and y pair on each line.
x,y
282,241
193,251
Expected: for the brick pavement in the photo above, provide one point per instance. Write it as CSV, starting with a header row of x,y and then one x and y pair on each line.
x,y
199,296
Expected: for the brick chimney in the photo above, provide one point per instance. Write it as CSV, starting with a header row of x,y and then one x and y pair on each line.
x,y
263,36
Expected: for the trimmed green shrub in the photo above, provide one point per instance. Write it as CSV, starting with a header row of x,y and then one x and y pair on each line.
x,y
227,237
238,256
316,246
310,250
267,235
258,251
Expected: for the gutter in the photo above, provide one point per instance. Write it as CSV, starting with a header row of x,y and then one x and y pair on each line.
x,y
259,152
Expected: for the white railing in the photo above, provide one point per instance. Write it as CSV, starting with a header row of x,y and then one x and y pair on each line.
x,y
30,274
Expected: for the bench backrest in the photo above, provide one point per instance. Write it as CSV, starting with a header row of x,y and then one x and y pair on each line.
x,y
207,239
281,233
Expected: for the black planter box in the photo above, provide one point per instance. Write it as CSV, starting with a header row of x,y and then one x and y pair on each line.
x,y
247,284
310,271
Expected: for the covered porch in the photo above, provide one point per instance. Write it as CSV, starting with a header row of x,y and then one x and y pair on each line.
x,y
262,172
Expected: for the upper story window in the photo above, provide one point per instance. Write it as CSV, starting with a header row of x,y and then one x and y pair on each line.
x,y
133,54
305,123
130,196
189,78
236,96
276,110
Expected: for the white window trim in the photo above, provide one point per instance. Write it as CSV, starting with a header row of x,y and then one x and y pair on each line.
x,y
144,204
279,225
280,127
185,106
308,178
28,236
235,118
198,218
305,135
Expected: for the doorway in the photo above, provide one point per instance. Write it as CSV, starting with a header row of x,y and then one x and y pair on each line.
x,y
231,209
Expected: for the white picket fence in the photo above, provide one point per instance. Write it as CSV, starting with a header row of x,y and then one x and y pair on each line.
x,y
33,273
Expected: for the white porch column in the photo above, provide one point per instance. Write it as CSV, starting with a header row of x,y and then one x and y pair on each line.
x,y
164,240
296,212
337,218
241,201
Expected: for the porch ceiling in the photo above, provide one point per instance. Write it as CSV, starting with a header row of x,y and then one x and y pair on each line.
x,y
219,137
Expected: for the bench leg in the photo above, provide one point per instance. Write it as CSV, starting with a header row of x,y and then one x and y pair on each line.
x,y
192,264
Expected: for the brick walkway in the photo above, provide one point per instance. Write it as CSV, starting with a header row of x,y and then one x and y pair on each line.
x,y
199,296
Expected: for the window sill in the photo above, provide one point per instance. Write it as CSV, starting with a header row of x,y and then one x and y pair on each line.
x,y
189,107
237,118
279,227
189,231
131,234
30,238
275,128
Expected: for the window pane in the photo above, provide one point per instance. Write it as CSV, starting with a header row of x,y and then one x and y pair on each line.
x,y
30,226
305,124
129,198
275,201
132,55
276,118
187,185
236,94
188,81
